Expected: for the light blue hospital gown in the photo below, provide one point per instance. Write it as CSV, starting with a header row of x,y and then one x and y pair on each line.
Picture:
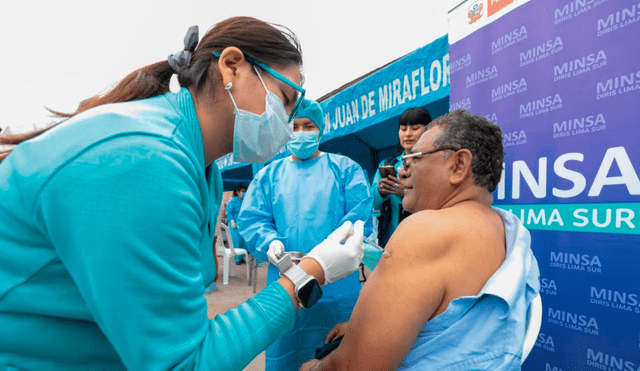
x,y
301,203
232,211
485,331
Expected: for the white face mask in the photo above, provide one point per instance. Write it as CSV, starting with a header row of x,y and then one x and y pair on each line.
x,y
257,138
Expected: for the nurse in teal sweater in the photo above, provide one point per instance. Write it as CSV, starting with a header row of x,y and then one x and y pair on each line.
x,y
108,218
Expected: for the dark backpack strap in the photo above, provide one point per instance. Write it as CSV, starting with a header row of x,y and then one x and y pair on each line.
x,y
384,223
384,220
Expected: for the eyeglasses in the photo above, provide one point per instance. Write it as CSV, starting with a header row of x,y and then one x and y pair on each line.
x,y
278,76
405,162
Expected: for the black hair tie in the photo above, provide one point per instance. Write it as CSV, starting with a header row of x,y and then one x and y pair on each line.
x,y
183,57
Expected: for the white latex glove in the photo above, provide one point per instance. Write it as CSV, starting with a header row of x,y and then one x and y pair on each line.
x,y
340,260
233,224
275,252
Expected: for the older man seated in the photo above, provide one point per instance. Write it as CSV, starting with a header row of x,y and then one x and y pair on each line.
x,y
454,293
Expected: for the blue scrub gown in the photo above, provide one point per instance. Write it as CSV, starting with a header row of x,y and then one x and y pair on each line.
x,y
232,212
301,203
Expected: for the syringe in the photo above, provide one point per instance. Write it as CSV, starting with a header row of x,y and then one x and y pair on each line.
x,y
375,246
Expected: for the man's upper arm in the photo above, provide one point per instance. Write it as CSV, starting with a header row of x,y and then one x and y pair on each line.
x,y
400,296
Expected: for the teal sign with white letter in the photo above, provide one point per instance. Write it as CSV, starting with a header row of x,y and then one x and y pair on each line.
x,y
414,80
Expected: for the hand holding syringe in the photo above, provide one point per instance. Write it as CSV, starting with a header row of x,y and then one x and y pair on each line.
x,y
372,243
375,246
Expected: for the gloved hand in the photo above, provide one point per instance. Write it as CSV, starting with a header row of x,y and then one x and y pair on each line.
x,y
275,252
233,224
340,260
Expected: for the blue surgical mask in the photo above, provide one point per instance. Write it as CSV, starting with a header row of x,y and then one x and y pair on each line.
x,y
304,143
257,138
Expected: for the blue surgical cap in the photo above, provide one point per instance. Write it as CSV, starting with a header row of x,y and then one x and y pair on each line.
x,y
311,110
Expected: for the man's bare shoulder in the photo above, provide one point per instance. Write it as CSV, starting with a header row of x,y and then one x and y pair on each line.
x,y
431,233
455,250
420,236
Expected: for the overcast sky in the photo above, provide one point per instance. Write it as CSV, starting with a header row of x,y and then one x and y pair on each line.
x,y
56,53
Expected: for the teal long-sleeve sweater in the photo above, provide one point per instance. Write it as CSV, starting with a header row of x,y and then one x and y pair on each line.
x,y
106,248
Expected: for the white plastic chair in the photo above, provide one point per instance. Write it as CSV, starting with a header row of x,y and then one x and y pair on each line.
x,y
534,321
228,252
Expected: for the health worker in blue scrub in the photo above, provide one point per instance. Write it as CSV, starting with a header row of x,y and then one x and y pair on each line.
x,y
299,200
232,211
108,217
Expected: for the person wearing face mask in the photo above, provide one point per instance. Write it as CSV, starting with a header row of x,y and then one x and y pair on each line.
x,y
108,217
232,211
295,203
388,191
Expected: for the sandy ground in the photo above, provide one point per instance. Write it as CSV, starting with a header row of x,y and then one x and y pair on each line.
x,y
235,293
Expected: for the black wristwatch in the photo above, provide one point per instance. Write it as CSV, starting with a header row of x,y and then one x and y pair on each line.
x,y
307,289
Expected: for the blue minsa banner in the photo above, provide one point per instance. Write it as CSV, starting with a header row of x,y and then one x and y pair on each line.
x,y
562,79
415,80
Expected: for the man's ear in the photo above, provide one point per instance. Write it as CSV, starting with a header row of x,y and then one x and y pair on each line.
x,y
460,166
